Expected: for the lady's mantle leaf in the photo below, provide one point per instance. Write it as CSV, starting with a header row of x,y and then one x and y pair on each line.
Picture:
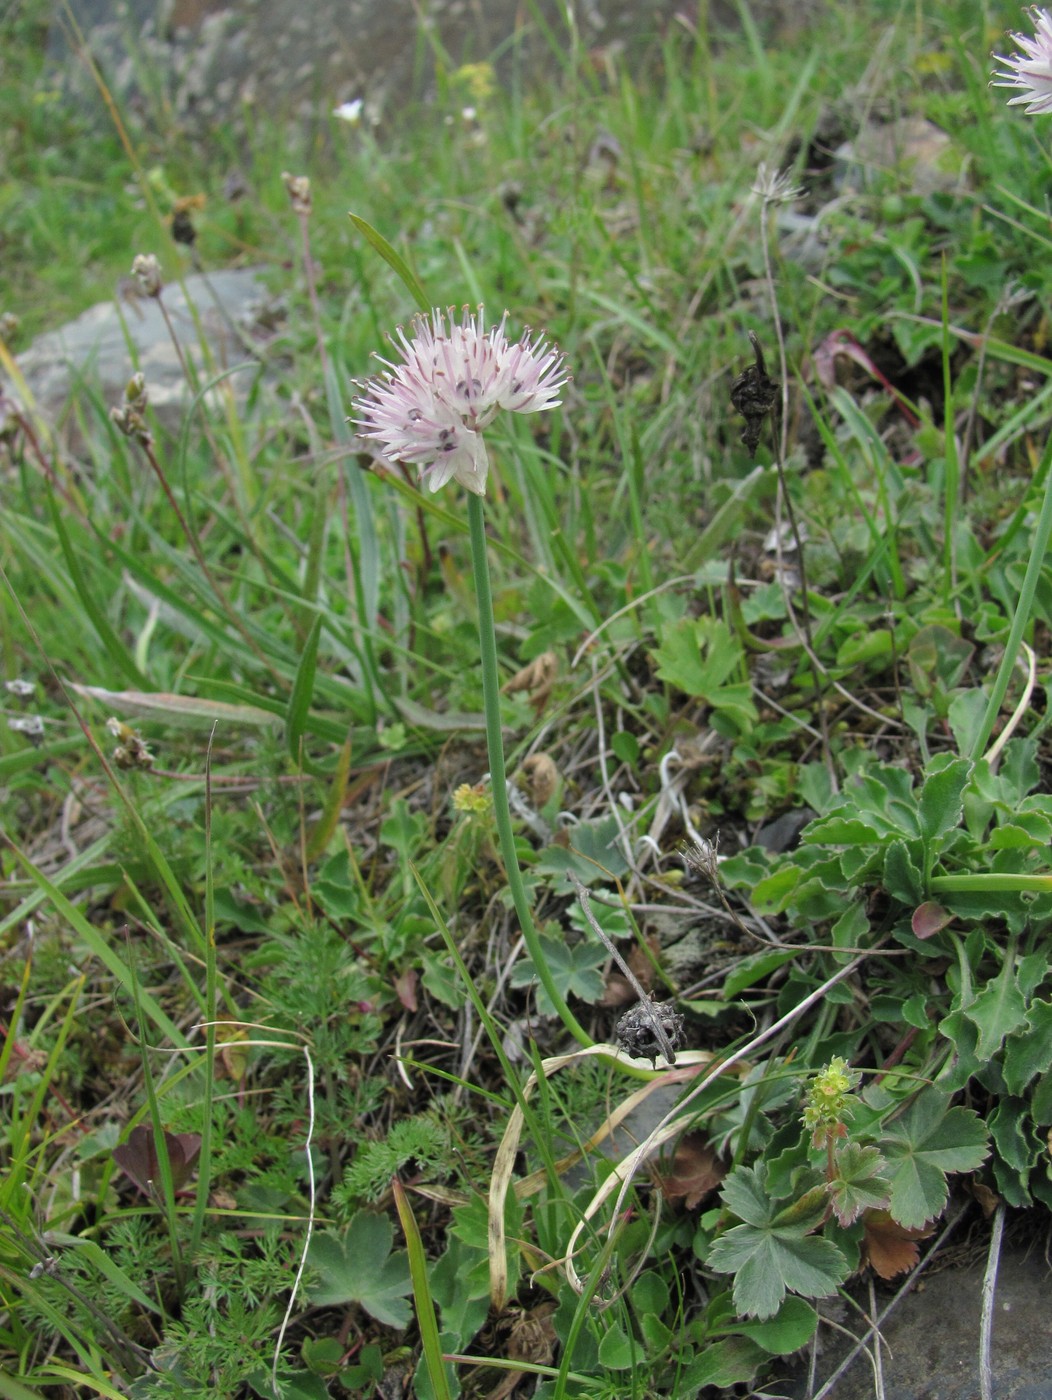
x,y
929,1140
575,971
859,1183
772,1252
766,1262
358,1267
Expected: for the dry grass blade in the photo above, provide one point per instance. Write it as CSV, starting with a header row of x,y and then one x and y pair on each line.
x,y
504,1161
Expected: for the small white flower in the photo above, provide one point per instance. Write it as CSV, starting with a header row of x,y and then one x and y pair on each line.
x,y
452,381
32,726
1031,70
350,112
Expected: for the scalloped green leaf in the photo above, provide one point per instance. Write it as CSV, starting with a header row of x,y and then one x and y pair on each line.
x,y
928,1141
357,1266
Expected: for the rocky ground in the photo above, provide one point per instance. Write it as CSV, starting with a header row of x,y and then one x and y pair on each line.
x,y
208,62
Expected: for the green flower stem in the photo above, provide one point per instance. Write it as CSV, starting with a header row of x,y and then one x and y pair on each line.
x,y
990,882
1038,553
498,775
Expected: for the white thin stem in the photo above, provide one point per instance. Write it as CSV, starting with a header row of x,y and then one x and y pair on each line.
x,y
986,1324
312,1201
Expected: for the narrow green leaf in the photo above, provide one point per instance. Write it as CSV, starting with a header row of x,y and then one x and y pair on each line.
x,y
111,1270
330,814
115,648
101,949
302,693
10,1389
426,1317
394,260
753,969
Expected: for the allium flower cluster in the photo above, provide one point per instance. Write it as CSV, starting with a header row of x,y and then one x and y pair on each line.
x,y
432,407
1031,70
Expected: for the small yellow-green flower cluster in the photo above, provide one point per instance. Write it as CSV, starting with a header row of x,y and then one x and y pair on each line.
x,y
474,800
828,1098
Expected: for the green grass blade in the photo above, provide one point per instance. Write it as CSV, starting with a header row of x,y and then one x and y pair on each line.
x,y
115,648
394,260
100,948
426,1318
302,691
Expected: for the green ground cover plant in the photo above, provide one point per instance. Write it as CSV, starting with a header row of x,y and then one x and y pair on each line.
x,y
373,852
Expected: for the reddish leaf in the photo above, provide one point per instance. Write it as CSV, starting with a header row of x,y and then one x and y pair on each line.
x,y
929,918
988,1200
842,342
405,986
889,1247
696,1171
137,1158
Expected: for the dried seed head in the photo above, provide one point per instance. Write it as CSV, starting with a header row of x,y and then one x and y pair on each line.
x,y
542,775
128,417
538,678
147,272
775,186
132,751
297,187
703,856
637,1035
32,726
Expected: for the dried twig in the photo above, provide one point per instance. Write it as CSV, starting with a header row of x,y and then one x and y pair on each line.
x,y
661,1022
986,1324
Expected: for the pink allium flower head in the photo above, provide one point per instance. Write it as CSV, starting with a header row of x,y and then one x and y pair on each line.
x,y
1031,70
452,380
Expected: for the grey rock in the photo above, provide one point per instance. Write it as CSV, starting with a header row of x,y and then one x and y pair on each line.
x,y
932,1340
926,157
215,318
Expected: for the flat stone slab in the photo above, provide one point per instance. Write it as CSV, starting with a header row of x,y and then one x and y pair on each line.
x,y
932,1338
214,318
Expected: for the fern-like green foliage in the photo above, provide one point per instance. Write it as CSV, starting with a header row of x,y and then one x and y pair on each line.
x,y
423,1140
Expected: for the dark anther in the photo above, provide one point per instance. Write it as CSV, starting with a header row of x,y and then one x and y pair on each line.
x,y
754,394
